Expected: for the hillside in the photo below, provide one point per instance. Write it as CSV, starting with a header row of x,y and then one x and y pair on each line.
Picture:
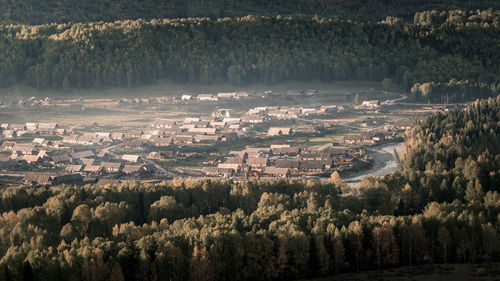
x,y
448,157
449,56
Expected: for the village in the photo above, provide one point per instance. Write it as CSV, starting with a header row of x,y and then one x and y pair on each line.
x,y
295,141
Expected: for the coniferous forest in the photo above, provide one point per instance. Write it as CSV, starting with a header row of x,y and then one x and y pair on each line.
x,y
447,56
442,206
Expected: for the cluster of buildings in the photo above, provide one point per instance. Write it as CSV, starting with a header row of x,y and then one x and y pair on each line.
x,y
46,153
286,160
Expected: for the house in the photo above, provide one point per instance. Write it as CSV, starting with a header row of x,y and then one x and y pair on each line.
x,y
226,95
312,92
257,162
18,127
40,178
93,170
31,126
241,95
133,134
61,158
60,131
352,139
164,124
277,172
27,149
86,161
47,128
186,97
403,124
370,104
312,165
162,142
275,131
131,158
71,138
31,159
133,169
206,131
73,168
235,167
133,143
256,151
253,119
8,145
206,139
291,151
111,167
87,139
288,163
38,141
183,139
217,172
207,97
369,122
9,134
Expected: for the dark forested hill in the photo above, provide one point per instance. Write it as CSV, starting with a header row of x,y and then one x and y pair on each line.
x,y
451,156
60,11
447,56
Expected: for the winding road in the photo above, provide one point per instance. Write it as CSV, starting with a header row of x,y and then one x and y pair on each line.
x,y
384,163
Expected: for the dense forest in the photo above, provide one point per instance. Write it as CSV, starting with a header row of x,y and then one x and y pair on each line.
x,y
441,57
63,11
443,206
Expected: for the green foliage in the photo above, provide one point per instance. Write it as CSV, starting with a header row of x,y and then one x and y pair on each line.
x,y
453,156
220,230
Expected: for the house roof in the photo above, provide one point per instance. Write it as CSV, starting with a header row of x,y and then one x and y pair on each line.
x,y
129,169
130,157
93,168
257,160
73,168
111,165
276,171
21,147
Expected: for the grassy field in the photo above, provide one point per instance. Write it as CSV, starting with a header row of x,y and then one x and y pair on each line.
x,y
455,272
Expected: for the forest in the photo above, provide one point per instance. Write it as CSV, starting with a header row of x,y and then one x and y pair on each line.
x,y
442,206
63,11
439,57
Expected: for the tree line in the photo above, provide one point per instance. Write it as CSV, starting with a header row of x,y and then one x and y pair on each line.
x,y
63,11
219,230
440,56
